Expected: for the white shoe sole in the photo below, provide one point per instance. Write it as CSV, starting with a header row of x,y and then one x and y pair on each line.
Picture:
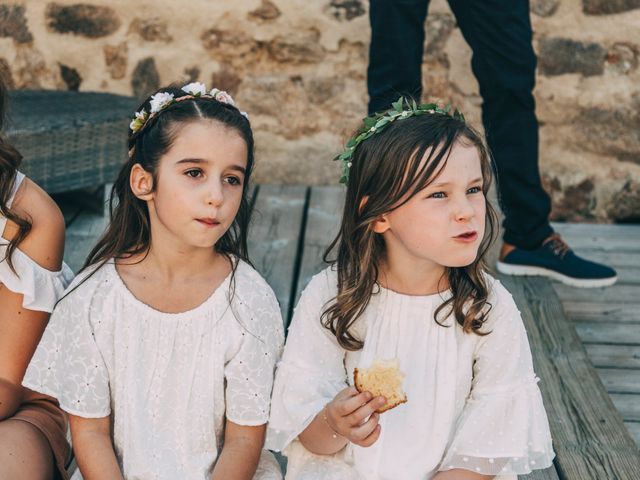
x,y
527,270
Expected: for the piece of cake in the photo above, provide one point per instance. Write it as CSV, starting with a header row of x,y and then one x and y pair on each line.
x,y
383,378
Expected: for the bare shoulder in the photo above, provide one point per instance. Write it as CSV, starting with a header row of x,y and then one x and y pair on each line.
x,y
45,242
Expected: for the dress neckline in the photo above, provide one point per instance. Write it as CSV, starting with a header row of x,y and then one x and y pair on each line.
x,y
219,290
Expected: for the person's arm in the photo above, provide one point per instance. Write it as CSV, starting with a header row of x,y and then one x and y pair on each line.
x,y
349,417
460,474
93,448
240,452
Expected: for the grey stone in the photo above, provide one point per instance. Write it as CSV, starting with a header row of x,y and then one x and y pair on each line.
x,y
622,59
13,23
625,204
71,77
145,79
544,8
561,55
116,57
439,27
267,11
611,132
298,47
5,74
150,29
226,79
192,74
82,19
606,7
577,203
346,10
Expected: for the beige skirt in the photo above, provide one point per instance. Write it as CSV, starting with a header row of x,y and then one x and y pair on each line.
x,y
43,412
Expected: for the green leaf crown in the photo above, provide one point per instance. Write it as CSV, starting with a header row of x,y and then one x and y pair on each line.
x,y
400,109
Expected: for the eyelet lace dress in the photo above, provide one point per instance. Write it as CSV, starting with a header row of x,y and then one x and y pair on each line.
x,y
473,401
169,380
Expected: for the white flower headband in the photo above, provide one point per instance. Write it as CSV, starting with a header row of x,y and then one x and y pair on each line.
x,y
162,100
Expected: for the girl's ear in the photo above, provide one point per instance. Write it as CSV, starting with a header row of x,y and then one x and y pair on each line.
x,y
381,225
141,183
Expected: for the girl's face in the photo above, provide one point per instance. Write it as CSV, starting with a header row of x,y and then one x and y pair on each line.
x,y
443,224
199,184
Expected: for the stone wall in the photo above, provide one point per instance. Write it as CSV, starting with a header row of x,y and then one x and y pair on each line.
x,y
298,67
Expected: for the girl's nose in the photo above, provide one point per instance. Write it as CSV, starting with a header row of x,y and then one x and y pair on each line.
x,y
214,194
464,210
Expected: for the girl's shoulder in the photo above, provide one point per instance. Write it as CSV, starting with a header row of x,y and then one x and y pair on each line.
x,y
45,242
249,281
323,286
93,280
503,308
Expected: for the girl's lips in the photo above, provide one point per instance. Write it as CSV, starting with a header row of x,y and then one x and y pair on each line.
x,y
208,222
467,237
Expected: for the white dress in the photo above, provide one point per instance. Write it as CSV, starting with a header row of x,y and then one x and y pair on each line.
x,y
169,380
41,288
473,401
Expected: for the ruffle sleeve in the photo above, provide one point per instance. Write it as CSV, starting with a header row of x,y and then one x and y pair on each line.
x,y
40,288
68,364
503,428
249,373
311,372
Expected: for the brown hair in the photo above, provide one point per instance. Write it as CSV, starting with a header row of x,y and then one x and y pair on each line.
x,y
10,160
129,231
388,169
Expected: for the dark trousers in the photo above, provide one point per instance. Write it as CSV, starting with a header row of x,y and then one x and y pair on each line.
x,y
504,63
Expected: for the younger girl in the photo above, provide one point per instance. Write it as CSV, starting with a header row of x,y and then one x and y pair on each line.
x,y
409,284
163,350
33,444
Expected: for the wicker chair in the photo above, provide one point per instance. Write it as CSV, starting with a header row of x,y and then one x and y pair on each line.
x,y
69,140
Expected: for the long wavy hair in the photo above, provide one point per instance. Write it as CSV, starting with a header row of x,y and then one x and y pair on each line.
x,y
388,170
10,160
129,229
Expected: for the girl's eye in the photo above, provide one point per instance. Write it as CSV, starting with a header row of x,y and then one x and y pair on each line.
x,y
438,195
475,190
194,173
234,181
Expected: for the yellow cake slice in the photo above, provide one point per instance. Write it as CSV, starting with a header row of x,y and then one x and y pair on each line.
x,y
383,378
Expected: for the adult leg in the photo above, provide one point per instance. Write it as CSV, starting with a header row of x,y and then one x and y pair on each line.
x,y
395,53
25,453
499,33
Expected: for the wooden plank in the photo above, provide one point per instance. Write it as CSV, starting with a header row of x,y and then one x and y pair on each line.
x,y
634,430
614,259
615,356
578,230
609,332
323,222
628,405
613,294
602,311
620,380
273,237
590,439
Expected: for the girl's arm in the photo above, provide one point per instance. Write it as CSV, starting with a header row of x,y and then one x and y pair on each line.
x,y
461,474
93,448
240,452
349,417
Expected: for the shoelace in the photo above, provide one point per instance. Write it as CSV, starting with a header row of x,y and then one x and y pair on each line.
x,y
559,247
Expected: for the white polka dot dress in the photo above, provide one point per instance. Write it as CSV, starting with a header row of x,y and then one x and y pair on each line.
x,y
473,401
168,380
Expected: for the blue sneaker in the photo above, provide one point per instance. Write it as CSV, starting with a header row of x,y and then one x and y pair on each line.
x,y
556,260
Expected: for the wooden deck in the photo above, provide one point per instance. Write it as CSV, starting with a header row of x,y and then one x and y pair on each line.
x,y
293,224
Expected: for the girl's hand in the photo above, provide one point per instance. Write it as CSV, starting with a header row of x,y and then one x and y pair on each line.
x,y
353,416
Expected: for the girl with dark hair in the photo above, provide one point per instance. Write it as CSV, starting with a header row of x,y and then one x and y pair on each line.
x,y
163,349
33,428
409,287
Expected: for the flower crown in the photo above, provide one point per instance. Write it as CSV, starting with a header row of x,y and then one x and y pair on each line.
x,y
400,109
162,100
